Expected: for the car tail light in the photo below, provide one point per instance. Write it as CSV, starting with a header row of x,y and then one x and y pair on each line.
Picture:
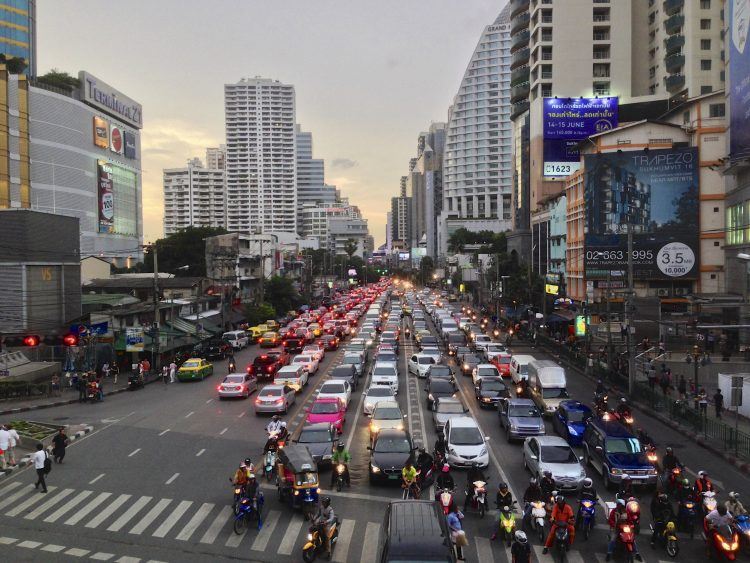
x,y
269,369
279,401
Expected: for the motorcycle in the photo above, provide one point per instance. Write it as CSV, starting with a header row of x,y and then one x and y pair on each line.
x,y
633,510
652,456
562,541
92,392
479,500
686,516
247,509
340,476
231,367
410,491
507,523
725,542
742,525
426,476
496,333
626,541
709,502
315,545
269,464
586,517
237,498
674,482
668,538
537,518
445,498
601,404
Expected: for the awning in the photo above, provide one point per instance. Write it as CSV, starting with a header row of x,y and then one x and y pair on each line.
x,y
561,316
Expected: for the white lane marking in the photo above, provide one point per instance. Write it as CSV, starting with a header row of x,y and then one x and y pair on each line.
x,y
341,550
290,536
15,496
108,511
71,504
177,513
243,413
195,521
49,504
102,556
95,479
129,514
164,432
53,548
235,540
223,431
224,516
135,451
127,559
191,413
7,541
172,478
200,453
484,550
150,516
81,514
269,525
76,552
38,497
29,544
372,536
210,400
575,557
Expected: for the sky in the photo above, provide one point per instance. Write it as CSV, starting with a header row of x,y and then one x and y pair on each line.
x,y
369,75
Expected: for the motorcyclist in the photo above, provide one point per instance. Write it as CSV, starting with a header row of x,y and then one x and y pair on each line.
x,y
249,467
325,518
719,517
533,493
440,446
644,438
503,497
626,488
520,551
239,479
252,488
662,513
734,505
444,480
475,474
547,484
702,485
623,409
424,462
618,516
341,455
588,491
670,461
408,475
561,512
231,364
277,432
684,492
600,390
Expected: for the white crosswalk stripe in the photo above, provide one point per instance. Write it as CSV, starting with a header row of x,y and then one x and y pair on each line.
x,y
15,496
290,536
195,521
129,514
68,506
372,536
108,511
575,557
172,519
152,514
225,514
86,510
35,498
341,551
261,541
49,504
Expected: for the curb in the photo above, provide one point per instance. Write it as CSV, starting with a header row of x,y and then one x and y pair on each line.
x,y
25,461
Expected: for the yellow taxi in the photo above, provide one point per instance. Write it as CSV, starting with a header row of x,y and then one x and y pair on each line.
x,y
316,329
273,325
269,339
195,369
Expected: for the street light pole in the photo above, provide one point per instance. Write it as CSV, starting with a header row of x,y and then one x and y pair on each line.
x,y
629,313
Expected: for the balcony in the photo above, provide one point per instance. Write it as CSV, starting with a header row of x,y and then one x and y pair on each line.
x,y
519,108
519,40
520,22
519,58
518,75
520,92
675,62
674,43
671,7
674,24
517,6
674,82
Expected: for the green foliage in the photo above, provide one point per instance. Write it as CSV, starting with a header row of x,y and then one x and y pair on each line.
x,y
350,247
184,248
257,314
490,241
14,65
281,295
60,79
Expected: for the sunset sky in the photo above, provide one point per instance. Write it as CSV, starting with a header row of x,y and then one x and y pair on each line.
x,y
368,75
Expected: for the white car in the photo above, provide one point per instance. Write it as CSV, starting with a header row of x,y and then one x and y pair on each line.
x,y
293,376
419,364
336,389
313,350
435,353
375,395
493,350
465,444
483,370
310,363
385,373
481,341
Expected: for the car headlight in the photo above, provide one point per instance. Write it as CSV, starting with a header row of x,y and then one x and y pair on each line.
x,y
430,397
400,427
513,427
615,471
375,468
466,366
483,451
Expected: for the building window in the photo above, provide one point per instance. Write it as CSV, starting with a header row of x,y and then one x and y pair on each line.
x,y
705,4
717,110
705,44
705,24
738,223
716,243
706,89
706,64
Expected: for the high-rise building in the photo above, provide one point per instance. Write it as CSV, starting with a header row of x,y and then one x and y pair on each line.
x,y
216,157
193,197
401,217
478,146
425,188
311,186
18,32
261,158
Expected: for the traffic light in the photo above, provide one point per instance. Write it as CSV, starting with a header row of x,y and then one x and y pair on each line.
x,y
70,340
31,340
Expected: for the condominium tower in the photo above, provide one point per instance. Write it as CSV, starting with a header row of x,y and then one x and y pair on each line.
x,y
193,197
18,32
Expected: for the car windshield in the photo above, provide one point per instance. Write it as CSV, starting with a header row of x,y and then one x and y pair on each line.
x,y
578,416
387,357
270,392
493,386
234,379
383,371
441,386
379,392
440,371
351,360
495,348
468,436
340,373
333,388
450,408
523,412
302,359
487,372
503,360
392,446
314,436
558,454
471,360
306,478
623,446
191,364
554,393
324,407
429,340
425,360
387,413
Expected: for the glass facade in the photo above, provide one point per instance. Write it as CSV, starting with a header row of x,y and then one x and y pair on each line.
x,y
738,223
17,30
125,191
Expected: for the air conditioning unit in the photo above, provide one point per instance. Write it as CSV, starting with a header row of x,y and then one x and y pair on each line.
x,y
662,292
682,291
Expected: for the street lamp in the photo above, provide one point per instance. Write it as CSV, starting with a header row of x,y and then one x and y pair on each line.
x,y
698,359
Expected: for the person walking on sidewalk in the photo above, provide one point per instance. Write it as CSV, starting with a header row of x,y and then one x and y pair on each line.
x,y
4,446
718,403
702,401
59,443
172,370
41,461
14,439
115,370
82,383
682,387
105,370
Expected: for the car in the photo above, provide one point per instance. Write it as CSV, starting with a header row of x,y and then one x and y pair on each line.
x,y
320,438
217,349
316,329
480,342
415,530
195,369
273,325
385,373
255,332
612,450
274,399
519,367
389,454
469,362
465,443
269,340
445,408
490,391
237,385
327,409
354,359
420,334
419,363
520,418
265,366
502,362
392,342
439,371
345,372
493,349
570,420
360,346
293,375
484,370
330,342
428,341
553,454
308,361
315,351
292,343
455,340
337,389
435,352
237,338
376,394
438,388
386,416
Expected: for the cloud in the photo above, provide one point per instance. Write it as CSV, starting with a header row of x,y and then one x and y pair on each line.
x,y
344,163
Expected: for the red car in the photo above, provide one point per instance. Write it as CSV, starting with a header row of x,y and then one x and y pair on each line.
x,y
329,410
502,363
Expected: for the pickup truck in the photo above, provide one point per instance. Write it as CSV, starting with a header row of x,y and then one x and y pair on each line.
x,y
293,344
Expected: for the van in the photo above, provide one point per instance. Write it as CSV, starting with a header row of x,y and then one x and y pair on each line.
x,y
293,375
415,530
237,338
519,367
547,385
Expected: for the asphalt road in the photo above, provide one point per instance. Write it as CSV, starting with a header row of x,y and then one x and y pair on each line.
x,y
151,482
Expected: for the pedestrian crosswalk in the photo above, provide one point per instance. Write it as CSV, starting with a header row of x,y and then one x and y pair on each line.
x,y
283,532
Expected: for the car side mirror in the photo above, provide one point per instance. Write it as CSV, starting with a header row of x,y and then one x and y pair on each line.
x,y
598,449
532,456
580,458
369,448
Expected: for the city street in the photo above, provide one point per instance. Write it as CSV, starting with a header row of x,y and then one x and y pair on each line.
x,y
151,483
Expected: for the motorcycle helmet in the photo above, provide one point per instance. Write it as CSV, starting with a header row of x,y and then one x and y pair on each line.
x,y
532,481
624,401
340,447
242,465
685,482
548,473
663,498
702,474
559,499
502,486
248,461
446,468
326,501
669,449
521,537
275,418
587,483
283,424
734,496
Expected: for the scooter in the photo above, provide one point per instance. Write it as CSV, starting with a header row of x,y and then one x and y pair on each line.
x,y
479,501
340,476
601,404
586,517
742,524
626,541
315,545
686,516
247,509
445,497
562,541
237,498
269,464
507,523
652,456
231,367
724,542
633,510
537,518
668,538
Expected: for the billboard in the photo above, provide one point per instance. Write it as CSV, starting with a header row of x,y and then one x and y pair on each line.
x,y
106,197
656,192
101,133
567,121
102,96
116,143
129,145
134,339
739,84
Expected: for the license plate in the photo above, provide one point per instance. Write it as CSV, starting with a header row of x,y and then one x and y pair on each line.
x,y
394,477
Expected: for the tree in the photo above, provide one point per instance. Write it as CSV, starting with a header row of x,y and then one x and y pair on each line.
x,y
184,248
426,269
281,295
350,247
257,314
14,65
60,79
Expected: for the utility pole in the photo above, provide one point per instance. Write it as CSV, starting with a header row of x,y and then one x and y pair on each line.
x,y
608,294
262,272
629,313
155,338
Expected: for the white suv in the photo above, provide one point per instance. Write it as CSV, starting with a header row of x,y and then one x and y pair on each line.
x,y
385,373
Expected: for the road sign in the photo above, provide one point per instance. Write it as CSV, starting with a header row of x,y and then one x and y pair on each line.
x,y
735,399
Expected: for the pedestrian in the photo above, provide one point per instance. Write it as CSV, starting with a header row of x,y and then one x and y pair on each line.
x,y
82,382
42,465
718,403
59,443
664,382
4,446
106,370
172,371
652,377
456,530
99,388
165,374
55,385
115,370
590,365
711,342
702,401
682,387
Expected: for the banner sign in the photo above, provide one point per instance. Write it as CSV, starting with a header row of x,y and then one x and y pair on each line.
x,y
101,133
656,192
567,121
129,145
134,341
106,197
739,78
115,139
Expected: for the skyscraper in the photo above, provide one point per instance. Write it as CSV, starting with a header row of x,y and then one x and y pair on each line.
x,y
311,187
18,32
193,197
216,157
261,158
